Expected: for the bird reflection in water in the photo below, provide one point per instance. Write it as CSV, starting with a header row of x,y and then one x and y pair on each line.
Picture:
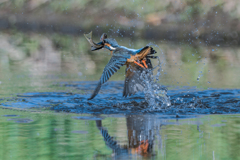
x,y
140,137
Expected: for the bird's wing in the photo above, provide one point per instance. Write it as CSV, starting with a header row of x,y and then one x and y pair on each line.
x,y
133,82
113,65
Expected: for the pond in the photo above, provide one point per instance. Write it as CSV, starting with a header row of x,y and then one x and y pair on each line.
x,y
47,135
45,114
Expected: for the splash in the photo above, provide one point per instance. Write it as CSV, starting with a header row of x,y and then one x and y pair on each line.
x,y
184,101
155,94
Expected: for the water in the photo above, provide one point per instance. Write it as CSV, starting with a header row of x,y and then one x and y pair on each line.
x,y
188,110
184,100
155,94
47,135
155,98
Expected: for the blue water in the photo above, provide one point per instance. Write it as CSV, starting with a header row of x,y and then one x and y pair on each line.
x,y
184,100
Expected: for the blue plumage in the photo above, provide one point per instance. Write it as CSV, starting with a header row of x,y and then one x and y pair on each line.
x,y
123,56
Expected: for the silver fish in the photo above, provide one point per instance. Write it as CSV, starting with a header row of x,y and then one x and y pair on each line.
x,y
94,46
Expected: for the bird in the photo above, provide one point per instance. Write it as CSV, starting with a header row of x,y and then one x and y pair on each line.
x,y
136,60
140,138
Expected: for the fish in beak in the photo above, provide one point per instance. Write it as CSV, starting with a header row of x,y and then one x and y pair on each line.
x,y
94,46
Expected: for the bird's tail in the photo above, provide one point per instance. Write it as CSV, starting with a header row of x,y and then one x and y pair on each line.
x,y
149,56
152,51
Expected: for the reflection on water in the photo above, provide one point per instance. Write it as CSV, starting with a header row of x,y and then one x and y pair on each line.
x,y
69,136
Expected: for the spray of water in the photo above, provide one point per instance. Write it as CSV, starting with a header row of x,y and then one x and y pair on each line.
x,y
155,94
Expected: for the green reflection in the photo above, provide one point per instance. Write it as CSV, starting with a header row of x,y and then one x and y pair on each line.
x,y
59,136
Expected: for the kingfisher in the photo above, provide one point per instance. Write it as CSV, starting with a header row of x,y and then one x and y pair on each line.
x,y
136,60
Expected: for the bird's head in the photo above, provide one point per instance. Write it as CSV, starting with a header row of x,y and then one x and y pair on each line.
x,y
104,36
110,44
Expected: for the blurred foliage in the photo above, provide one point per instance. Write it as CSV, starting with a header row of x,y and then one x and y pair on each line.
x,y
213,22
29,44
143,9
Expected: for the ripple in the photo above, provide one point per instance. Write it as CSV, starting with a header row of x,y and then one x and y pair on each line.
x,y
10,115
218,125
80,132
20,120
87,118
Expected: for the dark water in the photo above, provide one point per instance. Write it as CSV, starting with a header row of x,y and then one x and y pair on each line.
x,y
184,100
49,135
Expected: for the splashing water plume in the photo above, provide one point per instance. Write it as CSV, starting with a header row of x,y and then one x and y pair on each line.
x,y
155,94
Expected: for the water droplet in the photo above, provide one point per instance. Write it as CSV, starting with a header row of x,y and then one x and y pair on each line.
x,y
212,49
208,82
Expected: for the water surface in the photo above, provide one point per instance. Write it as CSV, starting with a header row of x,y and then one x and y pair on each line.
x,y
47,135
45,114
184,100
